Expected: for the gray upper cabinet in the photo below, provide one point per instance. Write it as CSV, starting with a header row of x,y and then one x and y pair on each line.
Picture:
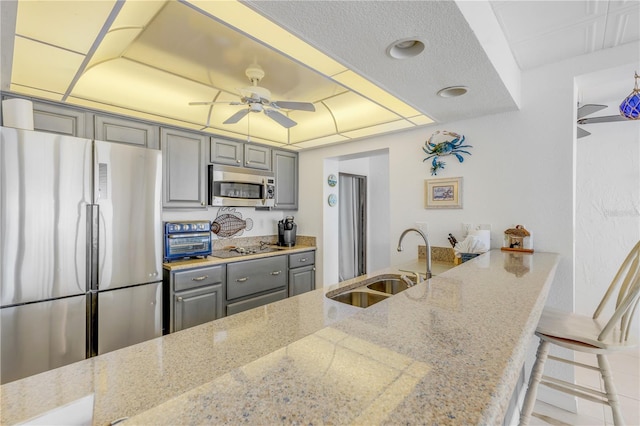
x,y
114,129
59,119
285,168
183,161
235,153
257,157
228,152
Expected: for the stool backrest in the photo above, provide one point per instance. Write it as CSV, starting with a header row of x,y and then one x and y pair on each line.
x,y
627,281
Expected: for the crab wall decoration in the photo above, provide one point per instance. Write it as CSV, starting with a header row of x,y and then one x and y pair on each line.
x,y
451,145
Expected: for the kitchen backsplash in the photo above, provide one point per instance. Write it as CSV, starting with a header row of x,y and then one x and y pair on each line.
x,y
438,254
219,244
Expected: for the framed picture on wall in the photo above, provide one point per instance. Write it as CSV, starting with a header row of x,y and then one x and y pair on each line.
x,y
443,193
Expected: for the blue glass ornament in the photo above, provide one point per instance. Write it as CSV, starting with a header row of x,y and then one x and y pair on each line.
x,y
630,107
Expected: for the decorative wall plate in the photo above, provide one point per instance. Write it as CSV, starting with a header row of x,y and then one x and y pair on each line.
x,y
332,200
332,181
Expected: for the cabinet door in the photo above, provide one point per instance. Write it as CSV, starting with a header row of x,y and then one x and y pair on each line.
x,y
59,119
285,169
227,152
183,161
257,157
114,129
197,307
302,280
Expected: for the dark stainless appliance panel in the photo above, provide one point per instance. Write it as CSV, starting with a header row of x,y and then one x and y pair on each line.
x,y
40,336
129,199
43,192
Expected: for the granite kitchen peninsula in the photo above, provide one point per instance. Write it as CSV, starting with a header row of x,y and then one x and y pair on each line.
x,y
448,352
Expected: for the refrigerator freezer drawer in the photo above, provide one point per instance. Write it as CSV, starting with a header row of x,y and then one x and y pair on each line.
x,y
41,336
128,316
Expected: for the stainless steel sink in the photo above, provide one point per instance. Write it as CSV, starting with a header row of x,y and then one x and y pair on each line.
x,y
372,290
361,299
389,286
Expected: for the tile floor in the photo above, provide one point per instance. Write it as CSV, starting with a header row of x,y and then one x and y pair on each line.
x,y
626,378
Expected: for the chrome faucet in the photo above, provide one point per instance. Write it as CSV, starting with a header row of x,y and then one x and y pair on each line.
x,y
426,242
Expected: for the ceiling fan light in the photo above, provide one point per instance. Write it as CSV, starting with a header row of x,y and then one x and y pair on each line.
x,y
630,106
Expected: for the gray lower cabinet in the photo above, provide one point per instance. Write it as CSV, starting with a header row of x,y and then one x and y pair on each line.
x,y
302,273
197,296
183,163
285,169
114,129
254,302
254,283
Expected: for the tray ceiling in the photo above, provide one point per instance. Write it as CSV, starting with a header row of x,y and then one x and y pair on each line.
x,y
151,59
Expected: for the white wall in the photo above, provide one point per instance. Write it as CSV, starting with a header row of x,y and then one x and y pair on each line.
x,y
607,203
521,171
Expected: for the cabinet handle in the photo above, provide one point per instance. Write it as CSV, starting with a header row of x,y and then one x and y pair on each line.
x,y
179,299
202,278
238,161
241,280
276,272
304,259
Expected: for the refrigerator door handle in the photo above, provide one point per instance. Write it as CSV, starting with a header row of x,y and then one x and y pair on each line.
x,y
93,214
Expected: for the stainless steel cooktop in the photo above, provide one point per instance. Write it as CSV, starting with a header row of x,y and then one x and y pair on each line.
x,y
241,251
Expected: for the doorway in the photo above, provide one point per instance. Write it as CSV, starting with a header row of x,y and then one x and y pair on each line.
x,y
352,240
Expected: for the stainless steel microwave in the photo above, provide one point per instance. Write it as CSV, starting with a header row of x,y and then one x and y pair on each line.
x,y
241,187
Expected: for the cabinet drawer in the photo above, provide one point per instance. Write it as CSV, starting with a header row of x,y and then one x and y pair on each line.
x,y
302,259
198,278
245,305
255,276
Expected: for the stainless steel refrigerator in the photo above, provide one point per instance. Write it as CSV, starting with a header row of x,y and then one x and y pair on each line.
x,y
80,249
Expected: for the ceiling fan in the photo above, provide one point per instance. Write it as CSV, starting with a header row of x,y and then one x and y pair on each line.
x,y
589,109
258,99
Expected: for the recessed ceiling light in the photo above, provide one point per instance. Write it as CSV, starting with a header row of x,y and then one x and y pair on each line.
x,y
453,91
405,48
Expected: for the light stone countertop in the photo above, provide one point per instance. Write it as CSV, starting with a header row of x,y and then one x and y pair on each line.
x,y
448,352
212,261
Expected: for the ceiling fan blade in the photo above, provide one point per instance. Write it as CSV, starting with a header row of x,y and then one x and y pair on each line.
x,y
280,118
582,133
605,119
588,109
237,116
299,106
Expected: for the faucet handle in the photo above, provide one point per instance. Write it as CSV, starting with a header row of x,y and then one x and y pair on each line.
x,y
418,277
407,280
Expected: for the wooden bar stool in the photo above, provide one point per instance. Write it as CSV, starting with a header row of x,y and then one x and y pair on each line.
x,y
591,335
